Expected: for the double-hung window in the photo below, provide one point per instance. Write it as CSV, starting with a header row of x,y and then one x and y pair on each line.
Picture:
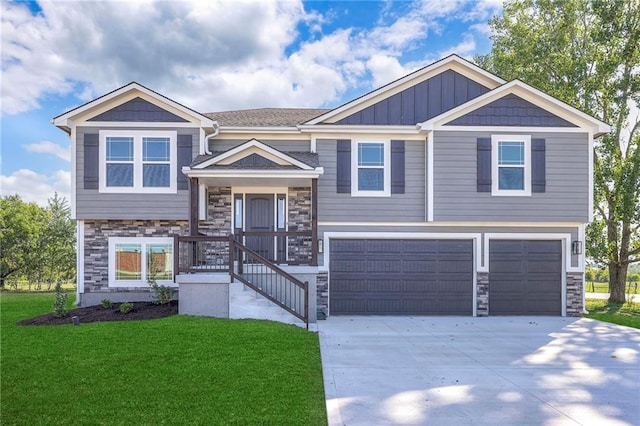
x,y
135,261
511,173
138,161
371,168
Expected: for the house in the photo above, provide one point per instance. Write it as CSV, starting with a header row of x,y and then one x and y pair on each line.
x,y
447,192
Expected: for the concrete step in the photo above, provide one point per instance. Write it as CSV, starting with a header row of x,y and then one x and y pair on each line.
x,y
246,303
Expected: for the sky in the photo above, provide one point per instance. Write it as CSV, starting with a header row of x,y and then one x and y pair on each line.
x,y
208,55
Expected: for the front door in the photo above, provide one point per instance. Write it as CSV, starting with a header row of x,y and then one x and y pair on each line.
x,y
260,218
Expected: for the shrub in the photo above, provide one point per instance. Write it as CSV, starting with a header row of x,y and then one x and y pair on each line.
x,y
126,307
162,294
106,303
60,302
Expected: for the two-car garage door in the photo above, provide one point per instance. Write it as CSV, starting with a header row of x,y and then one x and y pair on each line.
x,y
401,277
435,277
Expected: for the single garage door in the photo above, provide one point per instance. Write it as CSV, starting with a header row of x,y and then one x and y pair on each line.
x,y
525,277
401,277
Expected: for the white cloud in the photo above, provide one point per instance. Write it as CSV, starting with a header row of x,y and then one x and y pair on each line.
x,y
465,48
48,147
35,187
209,55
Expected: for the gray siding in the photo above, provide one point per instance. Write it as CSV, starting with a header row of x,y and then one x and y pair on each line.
x,y
567,182
407,207
221,145
511,110
90,204
138,109
421,102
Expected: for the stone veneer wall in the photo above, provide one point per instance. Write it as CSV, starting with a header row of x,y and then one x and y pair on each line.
x,y
574,294
482,293
96,246
299,218
218,221
322,294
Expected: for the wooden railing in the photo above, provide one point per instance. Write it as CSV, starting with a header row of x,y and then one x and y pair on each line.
x,y
194,254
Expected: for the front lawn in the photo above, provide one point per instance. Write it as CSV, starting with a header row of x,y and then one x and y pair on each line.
x,y
176,370
617,313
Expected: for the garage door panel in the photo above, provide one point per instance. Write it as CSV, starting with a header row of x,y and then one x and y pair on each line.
x,y
525,277
414,277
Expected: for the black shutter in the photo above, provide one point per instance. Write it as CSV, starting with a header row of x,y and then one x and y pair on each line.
x,y
184,159
484,165
343,163
91,160
397,167
538,166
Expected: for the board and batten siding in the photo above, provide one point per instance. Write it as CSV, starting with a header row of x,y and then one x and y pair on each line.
x,y
91,204
407,207
566,198
222,145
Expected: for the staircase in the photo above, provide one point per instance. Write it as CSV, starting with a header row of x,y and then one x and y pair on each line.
x,y
245,303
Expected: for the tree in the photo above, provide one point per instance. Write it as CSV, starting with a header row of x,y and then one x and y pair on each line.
x,y
587,53
37,243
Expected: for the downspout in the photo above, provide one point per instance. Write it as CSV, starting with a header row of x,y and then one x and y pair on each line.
x,y
216,132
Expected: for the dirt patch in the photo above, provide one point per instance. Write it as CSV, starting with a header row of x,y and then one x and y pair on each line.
x,y
141,311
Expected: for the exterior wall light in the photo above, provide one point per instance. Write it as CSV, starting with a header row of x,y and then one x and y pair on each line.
x,y
320,245
576,247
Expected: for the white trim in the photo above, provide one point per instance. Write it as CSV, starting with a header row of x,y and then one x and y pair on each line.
x,y
74,173
473,236
495,181
138,187
294,174
507,129
245,149
126,93
456,224
259,129
430,178
527,93
313,144
386,191
143,241
136,124
565,237
590,177
453,62
566,257
79,260
583,239
332,129
202,202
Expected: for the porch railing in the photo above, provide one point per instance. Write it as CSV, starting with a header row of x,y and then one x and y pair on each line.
x,y
193,254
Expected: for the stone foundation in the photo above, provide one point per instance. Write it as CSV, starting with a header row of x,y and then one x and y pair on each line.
x,y
299,219
482,293
218,222
574,294
96,255
322,294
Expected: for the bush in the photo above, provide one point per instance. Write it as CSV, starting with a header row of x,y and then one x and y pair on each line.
x,y
126,307
60,302
106,303
162,294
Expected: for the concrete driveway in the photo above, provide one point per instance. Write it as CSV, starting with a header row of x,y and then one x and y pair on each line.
x,y
497,370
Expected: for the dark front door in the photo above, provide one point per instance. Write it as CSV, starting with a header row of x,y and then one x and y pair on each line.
x,y
259,217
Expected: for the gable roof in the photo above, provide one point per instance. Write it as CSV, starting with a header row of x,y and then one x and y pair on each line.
x,y
453,62
126,93
528,93
265,117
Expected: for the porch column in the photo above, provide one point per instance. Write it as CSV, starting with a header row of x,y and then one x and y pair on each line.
x,y
193,206
314,222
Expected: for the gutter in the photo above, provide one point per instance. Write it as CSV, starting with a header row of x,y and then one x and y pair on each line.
x,y
216,132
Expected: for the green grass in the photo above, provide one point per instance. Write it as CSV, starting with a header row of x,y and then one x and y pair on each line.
x,y
594,287
617,313
176,370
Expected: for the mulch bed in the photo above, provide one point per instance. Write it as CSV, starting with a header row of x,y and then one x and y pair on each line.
x,y
141,311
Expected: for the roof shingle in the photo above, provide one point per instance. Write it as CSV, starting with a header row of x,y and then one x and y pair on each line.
x,y
265,117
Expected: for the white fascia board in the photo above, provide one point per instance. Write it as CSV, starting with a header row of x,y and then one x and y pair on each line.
x,y
526,92
457,224
261,129
331,129
314,173
133,89
251,144
453,62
